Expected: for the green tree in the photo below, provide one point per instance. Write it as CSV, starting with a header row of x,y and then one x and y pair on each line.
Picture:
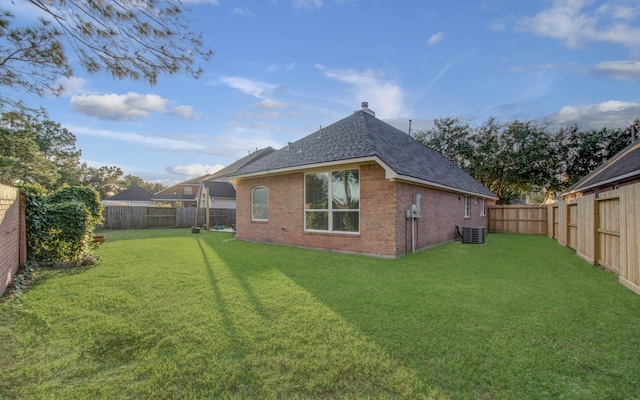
x,y
138,40
105,180
584,151
21,161
58,146
132,180
450,137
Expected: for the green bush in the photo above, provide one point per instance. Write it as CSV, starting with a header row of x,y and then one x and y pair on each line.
x,y
60,224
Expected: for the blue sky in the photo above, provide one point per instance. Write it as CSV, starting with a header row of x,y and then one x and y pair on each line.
x,y
284,68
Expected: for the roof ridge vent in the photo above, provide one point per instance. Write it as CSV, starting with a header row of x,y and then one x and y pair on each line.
x,y
365,108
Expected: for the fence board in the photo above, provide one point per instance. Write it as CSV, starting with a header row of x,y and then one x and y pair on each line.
x,y
518,219
126,217
572,226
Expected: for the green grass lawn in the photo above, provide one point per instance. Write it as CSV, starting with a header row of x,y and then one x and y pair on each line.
x,y
170,314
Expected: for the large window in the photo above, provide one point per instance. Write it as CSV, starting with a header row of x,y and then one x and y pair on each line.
x,y
332,201
259,203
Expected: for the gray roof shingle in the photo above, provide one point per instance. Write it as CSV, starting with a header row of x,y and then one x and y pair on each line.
x,y
363,135
134,193
220,189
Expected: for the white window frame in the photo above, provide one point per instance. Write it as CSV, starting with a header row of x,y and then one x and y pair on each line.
x,y
253,218
330,210
188,190
467,206
483,208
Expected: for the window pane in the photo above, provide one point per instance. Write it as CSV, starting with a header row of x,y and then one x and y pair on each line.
x,y
318,220
259,203
316,193
346,221
345,189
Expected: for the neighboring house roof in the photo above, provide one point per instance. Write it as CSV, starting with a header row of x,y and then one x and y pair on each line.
x,y
134,193
361,137
220,189
622,167
231,168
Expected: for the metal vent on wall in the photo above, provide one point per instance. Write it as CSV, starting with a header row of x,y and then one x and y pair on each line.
x,y
473,234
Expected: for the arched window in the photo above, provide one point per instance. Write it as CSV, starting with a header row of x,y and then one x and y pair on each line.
x,y
259,203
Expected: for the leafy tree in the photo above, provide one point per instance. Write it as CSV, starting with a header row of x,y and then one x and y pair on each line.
x,y
20,158
451,138
58,146
132,180
587,150
138,40
105,180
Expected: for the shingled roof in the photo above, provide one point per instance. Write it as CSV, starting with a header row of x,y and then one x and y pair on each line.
x,y
624,166
220,189
361,137
134,193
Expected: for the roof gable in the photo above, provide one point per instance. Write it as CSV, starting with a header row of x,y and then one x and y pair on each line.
x,y
362,135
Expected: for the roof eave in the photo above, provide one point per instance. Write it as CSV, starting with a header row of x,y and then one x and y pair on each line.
x,y
440,186
310,166
596,185
390,174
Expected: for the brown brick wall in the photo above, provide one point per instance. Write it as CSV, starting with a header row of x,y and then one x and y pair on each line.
x,y
384,230
9,234
441,212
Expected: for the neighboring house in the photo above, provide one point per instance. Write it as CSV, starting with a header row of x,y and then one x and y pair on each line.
x,y
351,187
222,193
621,170
182,194
134,196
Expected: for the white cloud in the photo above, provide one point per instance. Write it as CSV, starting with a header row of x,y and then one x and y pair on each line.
x,y
610,113
570,22
154,142
624,70
128,107
306,4
119,107
194,169
185,113
435,38
385,97
272,104
248,86
72,86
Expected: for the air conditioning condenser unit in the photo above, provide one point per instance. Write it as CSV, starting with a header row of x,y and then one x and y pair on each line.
x,y
473,234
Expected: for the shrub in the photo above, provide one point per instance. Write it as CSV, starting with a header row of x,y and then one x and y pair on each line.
x,y
60,224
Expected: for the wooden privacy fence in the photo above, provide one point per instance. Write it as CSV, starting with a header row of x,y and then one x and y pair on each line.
x,y
518,219
604,230
127,217
13,240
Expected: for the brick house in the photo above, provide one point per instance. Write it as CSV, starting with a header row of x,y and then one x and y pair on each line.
x,y
350,187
